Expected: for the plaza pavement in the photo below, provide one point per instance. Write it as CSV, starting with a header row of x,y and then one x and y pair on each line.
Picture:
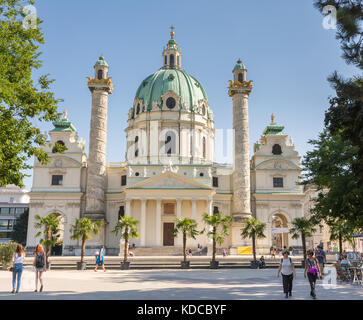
x,y
222,284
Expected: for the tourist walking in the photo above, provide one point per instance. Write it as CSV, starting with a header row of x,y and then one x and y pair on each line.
x,y
321,257
288,273
40,266
18,258
101,259
312,270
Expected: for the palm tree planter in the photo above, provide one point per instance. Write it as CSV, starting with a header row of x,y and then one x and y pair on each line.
x,y
188,229
128,229
82,229
254,230
50,223
304,228
215,222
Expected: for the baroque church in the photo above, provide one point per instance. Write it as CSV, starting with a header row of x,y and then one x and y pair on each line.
x,y
169,171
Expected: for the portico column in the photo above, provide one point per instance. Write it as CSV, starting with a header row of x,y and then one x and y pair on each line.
x,y
128,207
143,223
158,222
178,215
194,209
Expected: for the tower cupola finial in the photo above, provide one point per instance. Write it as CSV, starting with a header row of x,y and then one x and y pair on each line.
x,y
172,54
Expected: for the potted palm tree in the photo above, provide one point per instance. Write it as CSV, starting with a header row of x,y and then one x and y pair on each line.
x,y
187,227
254,230
304,228
218,229
82,229
50,225
128,229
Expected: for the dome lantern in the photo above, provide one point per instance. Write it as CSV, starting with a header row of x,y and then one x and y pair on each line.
x,y
239,71
171,54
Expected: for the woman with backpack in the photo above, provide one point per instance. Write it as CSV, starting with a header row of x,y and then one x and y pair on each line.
x,y
18,258
40,266
288,273
313,271
100,259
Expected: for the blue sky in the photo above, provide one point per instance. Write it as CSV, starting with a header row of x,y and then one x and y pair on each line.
x,y
283,44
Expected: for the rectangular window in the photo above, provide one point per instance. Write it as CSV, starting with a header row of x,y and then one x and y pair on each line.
x,y
5,235
215,210
278,182
19,211
5,211
12,211
123,180
57,180
169,208
215,182
121,212
6,224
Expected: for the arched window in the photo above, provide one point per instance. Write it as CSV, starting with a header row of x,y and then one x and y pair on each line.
x,y
60,142
138,108
276,149
100,74
166,60
204,148
172,62
136,146
170,147
240,77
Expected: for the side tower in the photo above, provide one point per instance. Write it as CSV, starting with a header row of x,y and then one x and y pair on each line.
x,y
100,87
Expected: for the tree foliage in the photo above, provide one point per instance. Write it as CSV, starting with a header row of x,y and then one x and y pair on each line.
x,y
330,167
20,229
345,114
188,228
128,229
82,229
255,230
218,229
302,227
51,228
23,100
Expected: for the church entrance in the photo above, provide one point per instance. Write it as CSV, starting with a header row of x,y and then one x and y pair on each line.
x,y
168,238
279,231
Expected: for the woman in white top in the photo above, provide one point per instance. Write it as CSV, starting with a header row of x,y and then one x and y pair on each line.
x,y
288,273
18,258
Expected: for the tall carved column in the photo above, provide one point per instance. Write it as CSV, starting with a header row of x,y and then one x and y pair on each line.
x,y
240,90
100,87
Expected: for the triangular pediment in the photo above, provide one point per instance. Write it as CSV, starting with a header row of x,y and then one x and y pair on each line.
x,y
169,180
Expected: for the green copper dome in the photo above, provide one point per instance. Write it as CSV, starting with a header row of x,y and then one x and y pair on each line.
x,y
101,62
187,87
239,65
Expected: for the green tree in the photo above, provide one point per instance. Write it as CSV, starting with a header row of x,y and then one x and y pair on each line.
x,y
342,231
302,227
6,253
218,229
128,229
82,229
22,99
51,227
188,228
345,114
20,229
330,168
255,230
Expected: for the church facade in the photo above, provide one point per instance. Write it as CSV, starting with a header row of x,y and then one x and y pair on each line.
x,y
169,170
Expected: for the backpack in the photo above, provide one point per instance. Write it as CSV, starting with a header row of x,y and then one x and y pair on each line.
x,y
39,262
